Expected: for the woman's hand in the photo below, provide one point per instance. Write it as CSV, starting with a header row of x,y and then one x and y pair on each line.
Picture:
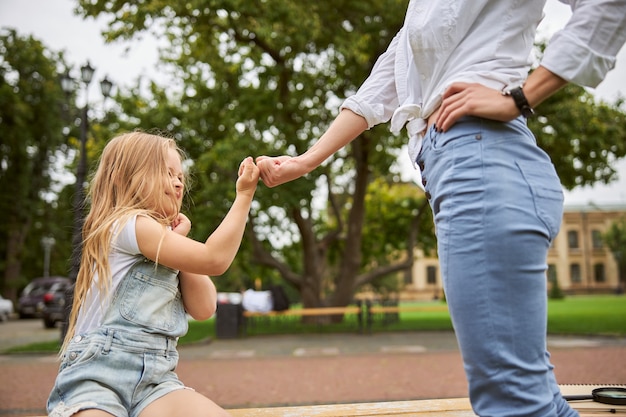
x,y
280,169
464,99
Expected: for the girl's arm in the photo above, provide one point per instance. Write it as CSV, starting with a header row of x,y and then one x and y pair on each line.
x,y
213,257
199,295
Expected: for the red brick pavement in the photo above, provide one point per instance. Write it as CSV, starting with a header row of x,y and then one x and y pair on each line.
x,y
273,380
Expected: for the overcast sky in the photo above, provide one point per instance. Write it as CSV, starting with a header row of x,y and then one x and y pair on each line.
x,y
53,22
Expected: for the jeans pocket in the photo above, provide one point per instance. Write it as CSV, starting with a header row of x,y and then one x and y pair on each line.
x,y
546,191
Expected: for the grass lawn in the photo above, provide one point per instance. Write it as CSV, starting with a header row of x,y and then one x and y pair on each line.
x,y
582,315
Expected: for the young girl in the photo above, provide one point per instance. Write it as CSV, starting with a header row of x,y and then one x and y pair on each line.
x,y
139,275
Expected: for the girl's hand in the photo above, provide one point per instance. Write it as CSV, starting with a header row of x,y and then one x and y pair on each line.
x,y
248,177
464,99
181,225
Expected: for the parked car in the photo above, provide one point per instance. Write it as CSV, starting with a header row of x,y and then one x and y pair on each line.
x,y
6,309
30,303
54,302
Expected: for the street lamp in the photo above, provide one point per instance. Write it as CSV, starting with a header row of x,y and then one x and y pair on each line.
x,y
68,84
47,242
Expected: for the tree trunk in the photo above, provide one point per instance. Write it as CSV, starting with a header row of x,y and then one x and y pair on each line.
x,y
15,246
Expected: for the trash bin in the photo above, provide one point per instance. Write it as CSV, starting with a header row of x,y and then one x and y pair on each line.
x,y
228,321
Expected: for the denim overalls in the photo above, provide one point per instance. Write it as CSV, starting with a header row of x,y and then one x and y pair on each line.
x,y
497,204
129,361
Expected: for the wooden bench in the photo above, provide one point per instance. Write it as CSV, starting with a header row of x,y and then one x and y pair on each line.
x,y
320,312
447,407
372,310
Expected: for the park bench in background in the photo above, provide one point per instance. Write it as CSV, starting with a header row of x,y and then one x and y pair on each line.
x,y
320,315
388,312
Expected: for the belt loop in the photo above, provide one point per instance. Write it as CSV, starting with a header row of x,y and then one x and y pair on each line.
x,y
109,340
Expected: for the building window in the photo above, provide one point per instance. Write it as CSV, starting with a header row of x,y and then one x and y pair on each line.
x,y
431,275
598,273
596,239
574,273
408,277
572,239
551,273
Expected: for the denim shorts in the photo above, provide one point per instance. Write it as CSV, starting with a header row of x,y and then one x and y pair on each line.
x,y
114,371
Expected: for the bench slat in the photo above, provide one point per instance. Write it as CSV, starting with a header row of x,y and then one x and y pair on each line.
x,y
321,311
399,309
455,407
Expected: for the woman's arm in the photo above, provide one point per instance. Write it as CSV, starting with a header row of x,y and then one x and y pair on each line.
x,y
582,53
374,103
282,169
464,99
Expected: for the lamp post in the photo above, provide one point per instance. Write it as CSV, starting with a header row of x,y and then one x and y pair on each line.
x,y
68,84
47,242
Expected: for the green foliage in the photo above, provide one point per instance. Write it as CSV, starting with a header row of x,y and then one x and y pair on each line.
x,y
555,291
584,138
31,125
615,239
267,78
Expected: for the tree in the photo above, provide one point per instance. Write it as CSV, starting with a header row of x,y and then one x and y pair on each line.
x,y
259,78
31,126
256,81
583,137
615,239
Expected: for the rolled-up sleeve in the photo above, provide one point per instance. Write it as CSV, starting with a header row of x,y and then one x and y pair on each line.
x,y
584,51
377,98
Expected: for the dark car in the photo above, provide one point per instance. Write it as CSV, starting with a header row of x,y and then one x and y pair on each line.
x,y
54,303
31,302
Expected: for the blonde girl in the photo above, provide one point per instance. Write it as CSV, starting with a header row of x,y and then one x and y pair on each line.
x,y
139,277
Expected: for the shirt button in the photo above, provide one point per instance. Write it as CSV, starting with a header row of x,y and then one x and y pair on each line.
x,y
78,339
73,355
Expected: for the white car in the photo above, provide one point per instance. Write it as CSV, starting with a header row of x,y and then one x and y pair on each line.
x,y
6,309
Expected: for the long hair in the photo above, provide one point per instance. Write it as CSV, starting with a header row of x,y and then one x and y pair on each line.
x,y
131,178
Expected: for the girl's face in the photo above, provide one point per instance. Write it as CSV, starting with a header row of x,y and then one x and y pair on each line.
x,y
175,172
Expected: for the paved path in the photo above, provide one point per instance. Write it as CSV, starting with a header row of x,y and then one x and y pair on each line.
x,y
324,368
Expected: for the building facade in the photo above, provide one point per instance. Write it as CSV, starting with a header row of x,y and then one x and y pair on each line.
x,y
578,259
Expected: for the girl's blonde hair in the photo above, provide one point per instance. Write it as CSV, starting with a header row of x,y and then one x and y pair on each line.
x,y
132,178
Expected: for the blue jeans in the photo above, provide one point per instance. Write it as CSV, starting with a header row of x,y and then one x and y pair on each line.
x,y
497,204
130,360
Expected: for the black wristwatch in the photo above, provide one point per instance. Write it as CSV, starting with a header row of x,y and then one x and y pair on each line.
x,y
520,101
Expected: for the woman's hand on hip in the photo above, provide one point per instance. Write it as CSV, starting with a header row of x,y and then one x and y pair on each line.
x,y
465,99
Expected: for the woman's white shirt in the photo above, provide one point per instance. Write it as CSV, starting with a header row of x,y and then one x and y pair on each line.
x,y
481,41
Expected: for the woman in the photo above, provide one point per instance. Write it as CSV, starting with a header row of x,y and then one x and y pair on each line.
x,y
456,76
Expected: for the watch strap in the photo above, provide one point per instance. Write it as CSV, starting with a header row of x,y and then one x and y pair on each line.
x,y
521,102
